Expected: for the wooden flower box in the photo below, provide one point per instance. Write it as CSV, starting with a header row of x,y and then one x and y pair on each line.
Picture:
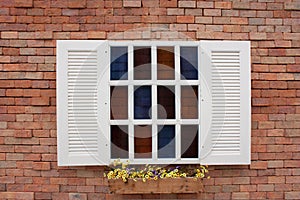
x,y
169,185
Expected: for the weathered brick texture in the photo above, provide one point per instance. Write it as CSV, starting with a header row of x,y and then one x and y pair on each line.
x,y
29,30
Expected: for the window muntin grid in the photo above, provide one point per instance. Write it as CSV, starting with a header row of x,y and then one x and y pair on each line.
x,y
171,75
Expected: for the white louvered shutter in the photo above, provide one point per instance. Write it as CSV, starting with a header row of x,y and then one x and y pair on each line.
x,y
81,139
225,105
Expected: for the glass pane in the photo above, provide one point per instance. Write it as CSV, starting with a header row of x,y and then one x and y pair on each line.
x,y
119,102
118,63
119,141
142,63
165,63
166,141
166,102
142,141
189,102
142,102
189,141
189,63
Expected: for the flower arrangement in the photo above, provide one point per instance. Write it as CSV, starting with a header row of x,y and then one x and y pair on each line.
x,y
120,170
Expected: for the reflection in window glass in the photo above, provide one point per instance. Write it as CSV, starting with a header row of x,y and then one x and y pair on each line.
x,y
166,141
189,102
118,102
166,100
142,102
142,63
189,63
142,141
119,141
189,141
119,62
165,63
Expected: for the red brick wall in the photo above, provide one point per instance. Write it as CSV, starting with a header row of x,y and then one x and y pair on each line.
x,y
29,30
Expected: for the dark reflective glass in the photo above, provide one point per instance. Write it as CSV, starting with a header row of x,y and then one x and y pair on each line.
x,y
166,100
119,141
189,63
118,63
142,102
166,141
165,63
189,141
142,141
189,102
142,63
118,102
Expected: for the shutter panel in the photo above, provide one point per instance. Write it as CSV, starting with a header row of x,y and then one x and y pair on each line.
x,y
80,139
225,105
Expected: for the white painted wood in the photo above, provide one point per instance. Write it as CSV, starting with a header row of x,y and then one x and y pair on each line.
x,y
79,138
154,102
225,102
130,104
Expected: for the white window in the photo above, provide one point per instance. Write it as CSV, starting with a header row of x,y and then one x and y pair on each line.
x,y
158,102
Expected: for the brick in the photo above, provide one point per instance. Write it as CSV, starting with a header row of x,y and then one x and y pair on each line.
x,y
292,132
274,6
75,196
76,3
232,28
85,189
168,3
96,35
212,12
248,188
291,163
259,36
292,195
259,165
193,12
15,109
4,59
23,134
203,20
266,125
187,4
240,5
240,195
24,117
9,35
8,117
94,181
223,5
241,180
17,195
205,4
185,19
260,101
265,187
175,11
276,179
292,6
280,172
278,84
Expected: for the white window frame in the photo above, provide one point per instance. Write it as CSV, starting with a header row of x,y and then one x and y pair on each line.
x,y
209,149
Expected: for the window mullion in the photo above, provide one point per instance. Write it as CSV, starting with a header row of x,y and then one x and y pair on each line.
x,y
154,102
130,103
177,102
